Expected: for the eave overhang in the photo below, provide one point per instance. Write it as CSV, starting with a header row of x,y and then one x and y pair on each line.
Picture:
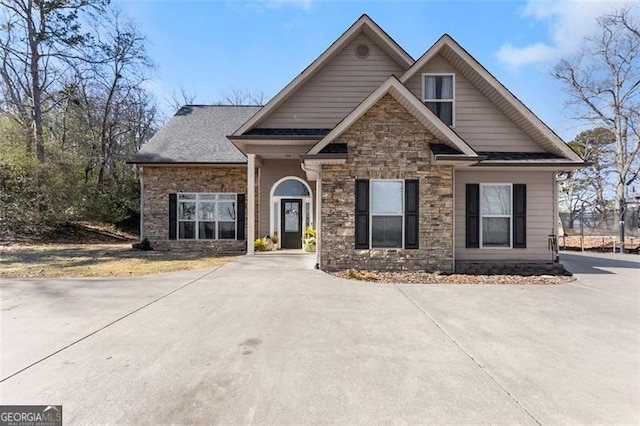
x,y
186,163
243,142
324,158
561,165
454,160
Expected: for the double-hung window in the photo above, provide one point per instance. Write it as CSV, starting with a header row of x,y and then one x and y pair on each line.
x,y
386,215
437,95
496,215
495,211
206,216
387,212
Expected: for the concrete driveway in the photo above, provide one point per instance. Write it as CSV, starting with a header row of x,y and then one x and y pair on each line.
x,y
267,339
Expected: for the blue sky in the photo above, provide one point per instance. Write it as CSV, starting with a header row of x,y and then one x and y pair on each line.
x,y
209,47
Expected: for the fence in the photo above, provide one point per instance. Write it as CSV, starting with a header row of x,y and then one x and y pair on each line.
x,y
588,222
599,230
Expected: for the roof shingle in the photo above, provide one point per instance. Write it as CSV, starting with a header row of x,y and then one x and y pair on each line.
x,y
197,134
518,156
288,132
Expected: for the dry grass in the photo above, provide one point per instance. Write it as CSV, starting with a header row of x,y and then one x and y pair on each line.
x,y
96,260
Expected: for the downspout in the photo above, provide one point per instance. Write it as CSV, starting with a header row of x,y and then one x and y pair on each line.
x,y
554,229
556,216
142,236
453,218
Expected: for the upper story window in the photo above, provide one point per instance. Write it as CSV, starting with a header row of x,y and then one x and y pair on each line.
x,y
437,94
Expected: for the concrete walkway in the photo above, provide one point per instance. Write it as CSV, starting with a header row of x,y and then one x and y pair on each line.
x,y
268,339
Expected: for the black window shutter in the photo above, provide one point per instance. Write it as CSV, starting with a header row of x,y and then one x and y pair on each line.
x,y
473,215
411,191
173,215
240,222
362,214
519,215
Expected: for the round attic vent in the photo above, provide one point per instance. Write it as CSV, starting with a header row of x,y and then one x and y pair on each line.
x,y
362,51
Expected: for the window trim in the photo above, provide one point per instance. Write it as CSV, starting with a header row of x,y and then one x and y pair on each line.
x,y
371,214
482,216
197,220
453,93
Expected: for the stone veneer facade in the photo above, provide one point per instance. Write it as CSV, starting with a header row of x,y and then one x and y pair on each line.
x,y
160,181
387,143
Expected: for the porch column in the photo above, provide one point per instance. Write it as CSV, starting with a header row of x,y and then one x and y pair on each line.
x,y
318,218
251,202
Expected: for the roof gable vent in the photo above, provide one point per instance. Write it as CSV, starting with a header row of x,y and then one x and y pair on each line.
x,y
362,51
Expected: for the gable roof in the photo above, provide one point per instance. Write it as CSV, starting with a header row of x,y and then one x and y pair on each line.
x,y
490,87
197,134
414,106
363,25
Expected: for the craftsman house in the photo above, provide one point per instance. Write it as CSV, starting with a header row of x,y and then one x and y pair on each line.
x,y
425,164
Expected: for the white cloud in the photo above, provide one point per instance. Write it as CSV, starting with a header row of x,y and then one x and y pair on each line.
x,y
567,21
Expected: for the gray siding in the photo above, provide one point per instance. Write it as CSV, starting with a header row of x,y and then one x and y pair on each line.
x,y
271,172
540,215
336,89
476,119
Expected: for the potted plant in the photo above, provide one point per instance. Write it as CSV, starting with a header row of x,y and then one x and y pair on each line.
x,y
309,239
263,244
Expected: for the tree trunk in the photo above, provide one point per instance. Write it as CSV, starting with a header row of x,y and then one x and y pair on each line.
x,y
36,92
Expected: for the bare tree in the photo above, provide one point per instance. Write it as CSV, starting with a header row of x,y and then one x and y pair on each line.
x,y
603,82
36,35
179,98
235,96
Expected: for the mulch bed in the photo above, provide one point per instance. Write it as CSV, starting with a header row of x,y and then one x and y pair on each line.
x,y
436,278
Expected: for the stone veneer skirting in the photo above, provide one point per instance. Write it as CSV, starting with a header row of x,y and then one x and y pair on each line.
x,y
160,181
387,143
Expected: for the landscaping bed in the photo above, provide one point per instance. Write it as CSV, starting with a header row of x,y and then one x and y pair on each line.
x,y
437,278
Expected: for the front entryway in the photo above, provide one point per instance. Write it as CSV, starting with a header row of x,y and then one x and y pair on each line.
x,y
288,195
291,223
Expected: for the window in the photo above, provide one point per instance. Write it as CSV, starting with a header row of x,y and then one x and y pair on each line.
x,y
386,214
206,216
438,95
291,188
387,211
495,211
